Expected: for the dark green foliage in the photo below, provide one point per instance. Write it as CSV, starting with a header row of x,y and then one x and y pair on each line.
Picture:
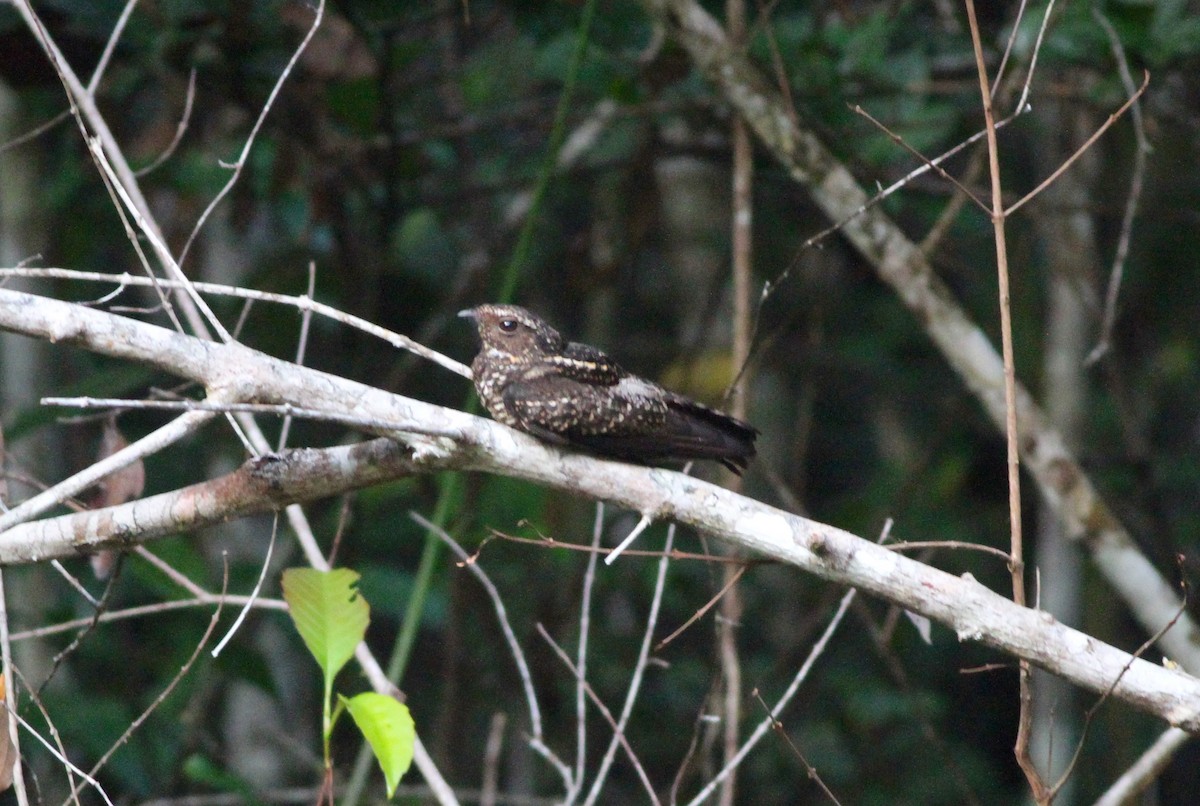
x,y
393,159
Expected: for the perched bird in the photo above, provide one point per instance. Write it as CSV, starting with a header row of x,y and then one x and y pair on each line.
x,y
531,378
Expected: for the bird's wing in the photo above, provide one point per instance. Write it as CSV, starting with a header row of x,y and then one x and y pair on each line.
x,y
633,420
572,409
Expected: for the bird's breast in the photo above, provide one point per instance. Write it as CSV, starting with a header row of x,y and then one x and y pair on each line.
x,y
493,371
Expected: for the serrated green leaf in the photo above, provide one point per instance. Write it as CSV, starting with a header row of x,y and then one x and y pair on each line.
x,y
329,614
389,729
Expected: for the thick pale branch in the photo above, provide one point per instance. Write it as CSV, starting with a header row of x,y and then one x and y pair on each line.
x,y
901,263
971,610
260,485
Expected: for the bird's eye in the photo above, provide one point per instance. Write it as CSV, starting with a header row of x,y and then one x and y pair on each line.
x,y
508,325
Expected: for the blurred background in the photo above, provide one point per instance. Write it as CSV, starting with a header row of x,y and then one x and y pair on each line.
x,y
406,159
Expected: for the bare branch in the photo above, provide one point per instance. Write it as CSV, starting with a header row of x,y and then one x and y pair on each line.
x,y
1147,768
537,740
1113,118
1104,343
302,303
604,711
972,611
1063,482
765,725
237,165
180,129
639,669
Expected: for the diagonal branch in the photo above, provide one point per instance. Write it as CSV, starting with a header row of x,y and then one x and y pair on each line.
x,y
1087,519
961,603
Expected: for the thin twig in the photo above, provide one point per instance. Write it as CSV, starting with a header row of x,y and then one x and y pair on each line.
x,y
771,286
603,709
301,346
581,654
1142,772
282,409
1033,60
142,611
302,303
1140,158
1090,714
240,163
809,769
491,759
536,741
639,669
930,164
784,699
110,46
36,131
1013,33
732,580
183,670
629,538
169,571
62,758
1016,561
74,583
54,734
918,545
172,266
88,628
742,266
180,129
1113,118
674,554
249,605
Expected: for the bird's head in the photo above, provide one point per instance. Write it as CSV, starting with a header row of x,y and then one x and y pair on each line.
x,y
514,331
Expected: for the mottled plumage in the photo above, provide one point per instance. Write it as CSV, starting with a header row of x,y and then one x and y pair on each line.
x,y
529,377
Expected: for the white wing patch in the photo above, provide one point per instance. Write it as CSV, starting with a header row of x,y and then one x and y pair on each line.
x,y
633,388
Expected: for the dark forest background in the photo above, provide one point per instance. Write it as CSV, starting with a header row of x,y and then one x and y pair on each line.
x,y
407,159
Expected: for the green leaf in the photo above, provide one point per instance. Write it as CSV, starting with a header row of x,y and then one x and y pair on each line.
x,y
389,729
329,614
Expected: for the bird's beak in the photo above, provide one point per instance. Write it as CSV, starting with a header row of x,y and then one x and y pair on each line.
x,y
468,313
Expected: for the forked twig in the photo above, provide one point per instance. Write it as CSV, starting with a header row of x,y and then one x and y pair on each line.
x,y
930,164
1013,458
